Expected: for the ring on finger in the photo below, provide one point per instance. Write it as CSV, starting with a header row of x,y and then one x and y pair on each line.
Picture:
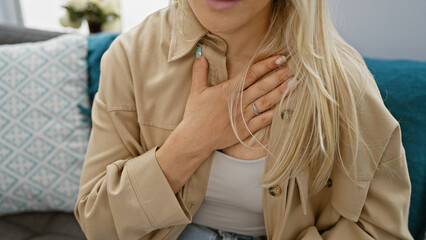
x,y
256,111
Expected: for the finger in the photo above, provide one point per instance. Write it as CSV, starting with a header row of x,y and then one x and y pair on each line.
x,y
266,102
263,67
265,85
271,99
260,121
199,74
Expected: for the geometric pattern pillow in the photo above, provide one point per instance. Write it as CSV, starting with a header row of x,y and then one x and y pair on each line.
x,y
43,135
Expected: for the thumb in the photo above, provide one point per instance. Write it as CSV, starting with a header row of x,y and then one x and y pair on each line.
x,y
199,72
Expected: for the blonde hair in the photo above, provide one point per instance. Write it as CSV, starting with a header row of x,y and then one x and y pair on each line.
x,y
329,74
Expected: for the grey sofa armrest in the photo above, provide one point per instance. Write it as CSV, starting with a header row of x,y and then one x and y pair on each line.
x,y
13,34
38,225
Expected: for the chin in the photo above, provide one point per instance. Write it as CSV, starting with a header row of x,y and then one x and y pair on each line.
x,y
224,25
228,20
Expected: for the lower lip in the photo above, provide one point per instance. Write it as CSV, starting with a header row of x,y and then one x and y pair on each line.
x,y
222,4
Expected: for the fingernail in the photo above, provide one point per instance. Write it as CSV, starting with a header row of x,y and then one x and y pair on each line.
x,y
199,51
281,60
292,83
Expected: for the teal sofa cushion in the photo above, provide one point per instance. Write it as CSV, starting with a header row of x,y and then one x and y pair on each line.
x,y
97,45
402,84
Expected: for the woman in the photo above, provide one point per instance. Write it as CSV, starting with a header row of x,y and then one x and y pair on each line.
x,y
179,144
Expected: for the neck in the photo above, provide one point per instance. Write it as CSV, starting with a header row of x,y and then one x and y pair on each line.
x,y
243,42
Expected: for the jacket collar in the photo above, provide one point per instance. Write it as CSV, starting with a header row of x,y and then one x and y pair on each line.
x,y
185,36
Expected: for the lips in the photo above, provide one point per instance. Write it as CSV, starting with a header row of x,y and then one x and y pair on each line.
x,y
222,4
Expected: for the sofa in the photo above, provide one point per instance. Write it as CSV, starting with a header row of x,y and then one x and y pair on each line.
x,y
54,224
402,84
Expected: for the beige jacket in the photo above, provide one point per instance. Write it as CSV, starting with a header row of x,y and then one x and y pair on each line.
x,y
145,82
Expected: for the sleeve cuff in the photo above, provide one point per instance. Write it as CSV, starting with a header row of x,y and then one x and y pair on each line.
x,y
162,206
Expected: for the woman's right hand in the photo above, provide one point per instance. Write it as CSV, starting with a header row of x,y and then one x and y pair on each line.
x,y
206,124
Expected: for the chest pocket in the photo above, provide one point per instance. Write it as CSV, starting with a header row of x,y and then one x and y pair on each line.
x,y
152,135
159,115
157,121
348,196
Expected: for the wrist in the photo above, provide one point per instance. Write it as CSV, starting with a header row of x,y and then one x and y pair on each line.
x,y
190,141
179,158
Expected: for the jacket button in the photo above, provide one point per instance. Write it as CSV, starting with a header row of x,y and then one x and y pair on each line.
x,y
275,191
329,183
286,114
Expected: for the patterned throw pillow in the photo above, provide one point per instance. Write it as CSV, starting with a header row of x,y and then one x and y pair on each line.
x,y
43,135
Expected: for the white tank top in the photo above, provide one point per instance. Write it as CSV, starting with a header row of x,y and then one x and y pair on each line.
x,y
233,200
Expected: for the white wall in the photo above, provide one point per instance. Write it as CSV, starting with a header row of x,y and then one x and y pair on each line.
x,y
10,12
134,11
383,28
45,14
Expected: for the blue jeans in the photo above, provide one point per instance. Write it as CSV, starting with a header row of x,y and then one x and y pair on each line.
x,y
197,232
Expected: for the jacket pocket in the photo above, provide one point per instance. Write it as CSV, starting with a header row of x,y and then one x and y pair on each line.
x,y
348,195
153,135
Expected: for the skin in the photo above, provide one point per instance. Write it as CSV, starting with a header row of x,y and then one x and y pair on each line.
x,y
205,126
242,27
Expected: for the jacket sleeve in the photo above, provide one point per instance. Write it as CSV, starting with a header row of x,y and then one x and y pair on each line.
x,y
123,192
384,214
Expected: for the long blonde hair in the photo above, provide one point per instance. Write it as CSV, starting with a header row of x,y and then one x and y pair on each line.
x,y
328,71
